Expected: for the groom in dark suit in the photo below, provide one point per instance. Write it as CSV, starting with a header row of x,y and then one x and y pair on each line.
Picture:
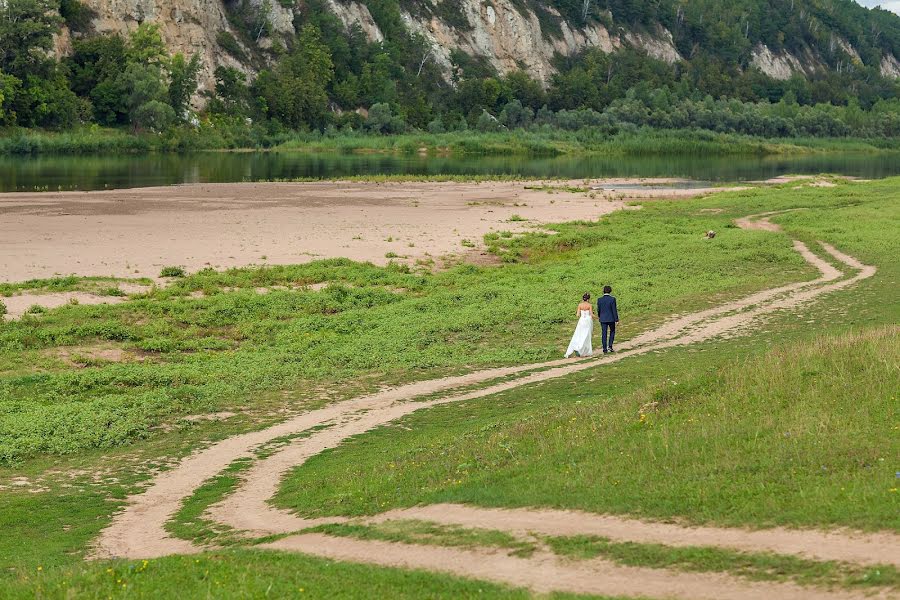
x,y
608,313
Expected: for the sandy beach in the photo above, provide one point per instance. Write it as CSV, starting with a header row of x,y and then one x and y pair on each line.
x,y
136,232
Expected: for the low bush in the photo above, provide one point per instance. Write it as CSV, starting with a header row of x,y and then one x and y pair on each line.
x,y
172,272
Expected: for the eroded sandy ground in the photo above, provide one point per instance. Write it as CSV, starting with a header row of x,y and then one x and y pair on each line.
x,y
135,233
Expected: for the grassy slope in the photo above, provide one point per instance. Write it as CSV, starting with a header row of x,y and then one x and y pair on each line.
x,y
783,438
804,435
857,218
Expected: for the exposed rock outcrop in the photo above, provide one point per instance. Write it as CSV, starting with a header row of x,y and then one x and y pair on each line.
x,y
890,66
507,38
778,66
354,13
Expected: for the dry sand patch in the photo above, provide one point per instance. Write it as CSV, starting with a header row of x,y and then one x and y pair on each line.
x,y
18,306
137,232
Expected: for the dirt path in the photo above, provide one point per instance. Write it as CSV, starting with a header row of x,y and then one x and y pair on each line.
x,y
139,530
871,548
547,573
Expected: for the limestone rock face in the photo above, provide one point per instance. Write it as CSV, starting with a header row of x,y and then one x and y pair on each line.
x,y
507,38
776,66
353,13
890,66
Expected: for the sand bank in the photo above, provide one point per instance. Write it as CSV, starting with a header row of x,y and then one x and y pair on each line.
x,y
134,233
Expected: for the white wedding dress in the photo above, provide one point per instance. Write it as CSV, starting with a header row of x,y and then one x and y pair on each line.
x,y
581,340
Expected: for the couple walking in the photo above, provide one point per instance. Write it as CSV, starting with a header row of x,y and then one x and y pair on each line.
x,y
607,312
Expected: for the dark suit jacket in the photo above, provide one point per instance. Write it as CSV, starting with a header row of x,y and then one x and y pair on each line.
x,y
607,309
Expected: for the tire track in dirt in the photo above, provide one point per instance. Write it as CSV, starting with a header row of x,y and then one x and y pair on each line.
x,y
871,548
543,573
139,530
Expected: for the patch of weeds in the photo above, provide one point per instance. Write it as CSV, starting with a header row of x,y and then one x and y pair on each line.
x,y
431,534
468,243
112,291
172,272
159,345
516,219
751,565
189,522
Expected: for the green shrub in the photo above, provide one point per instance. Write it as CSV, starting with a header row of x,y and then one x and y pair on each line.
x,y
229,44
160,345
172,272
112,291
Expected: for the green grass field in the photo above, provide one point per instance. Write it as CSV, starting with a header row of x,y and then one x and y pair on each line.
x,y
794,425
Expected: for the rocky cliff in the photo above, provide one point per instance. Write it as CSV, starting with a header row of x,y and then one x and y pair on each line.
x,y
505,33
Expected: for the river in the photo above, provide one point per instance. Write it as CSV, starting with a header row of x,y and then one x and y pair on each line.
x,y
51,173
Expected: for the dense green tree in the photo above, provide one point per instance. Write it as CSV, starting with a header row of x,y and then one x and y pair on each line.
x,y
381,119
42,97
182,83
147,95
94,69
146,46
231,95
295,93
77,15
26,36
9,87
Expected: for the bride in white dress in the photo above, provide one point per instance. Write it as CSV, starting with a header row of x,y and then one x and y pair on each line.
x,y
581,340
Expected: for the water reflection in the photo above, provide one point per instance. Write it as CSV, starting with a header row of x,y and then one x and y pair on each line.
x,y
108,172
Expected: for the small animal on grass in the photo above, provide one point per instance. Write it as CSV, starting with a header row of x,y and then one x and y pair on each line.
x,y
581,344
608,313
710,234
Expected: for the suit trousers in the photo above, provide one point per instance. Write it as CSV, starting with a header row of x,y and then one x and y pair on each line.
x,y
609,328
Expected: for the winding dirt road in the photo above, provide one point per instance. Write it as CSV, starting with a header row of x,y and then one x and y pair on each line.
x,y
139,531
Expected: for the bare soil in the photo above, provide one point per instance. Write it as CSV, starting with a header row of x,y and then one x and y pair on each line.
x,y
137,232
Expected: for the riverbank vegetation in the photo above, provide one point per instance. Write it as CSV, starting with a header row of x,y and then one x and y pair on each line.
x,y
535,141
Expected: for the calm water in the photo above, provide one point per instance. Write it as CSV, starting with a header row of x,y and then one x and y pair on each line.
x,y
102,172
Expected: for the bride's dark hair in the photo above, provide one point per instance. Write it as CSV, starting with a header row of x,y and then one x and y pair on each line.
x,y
586,297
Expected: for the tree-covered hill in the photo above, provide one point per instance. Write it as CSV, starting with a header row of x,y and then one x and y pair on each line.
x,y
389,65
